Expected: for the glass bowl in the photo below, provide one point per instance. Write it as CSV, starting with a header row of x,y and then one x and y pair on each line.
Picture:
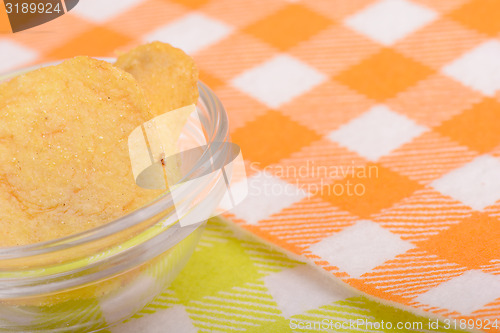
x,y
92,280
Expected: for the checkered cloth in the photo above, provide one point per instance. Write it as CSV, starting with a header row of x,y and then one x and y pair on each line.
x,y
406,89
268,292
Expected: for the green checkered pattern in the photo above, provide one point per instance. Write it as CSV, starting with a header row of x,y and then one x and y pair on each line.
x,y
222,289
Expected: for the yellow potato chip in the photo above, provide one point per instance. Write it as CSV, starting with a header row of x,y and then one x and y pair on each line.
x,y
64,157
168,76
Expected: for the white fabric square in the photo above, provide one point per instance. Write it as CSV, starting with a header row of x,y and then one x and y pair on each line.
x,y
175,319
390,20
360,248
278,80
267,195
476,184
478,68
14,55
376,132
465,294
100,11
300,289
191,33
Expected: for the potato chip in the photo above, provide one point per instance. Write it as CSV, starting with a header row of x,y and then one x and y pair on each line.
x,y
168,76
64,157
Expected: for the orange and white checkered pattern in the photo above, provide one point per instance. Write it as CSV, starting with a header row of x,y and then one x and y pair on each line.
x,y
409,88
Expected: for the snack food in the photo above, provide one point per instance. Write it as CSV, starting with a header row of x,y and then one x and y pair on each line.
x,y
63,139
58,115
168,76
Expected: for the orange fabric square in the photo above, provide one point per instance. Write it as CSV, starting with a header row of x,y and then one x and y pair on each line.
x,y
146,17
384,75
98,41
278,137
242,12
477,127
422,215
289,26
316,165
210,80
240,107
4,20
428,157
233,55
379,188
495,151
439,43
434,100
476,14
312,228
472,243
192,4
335,49
402,277
337,9
332,102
